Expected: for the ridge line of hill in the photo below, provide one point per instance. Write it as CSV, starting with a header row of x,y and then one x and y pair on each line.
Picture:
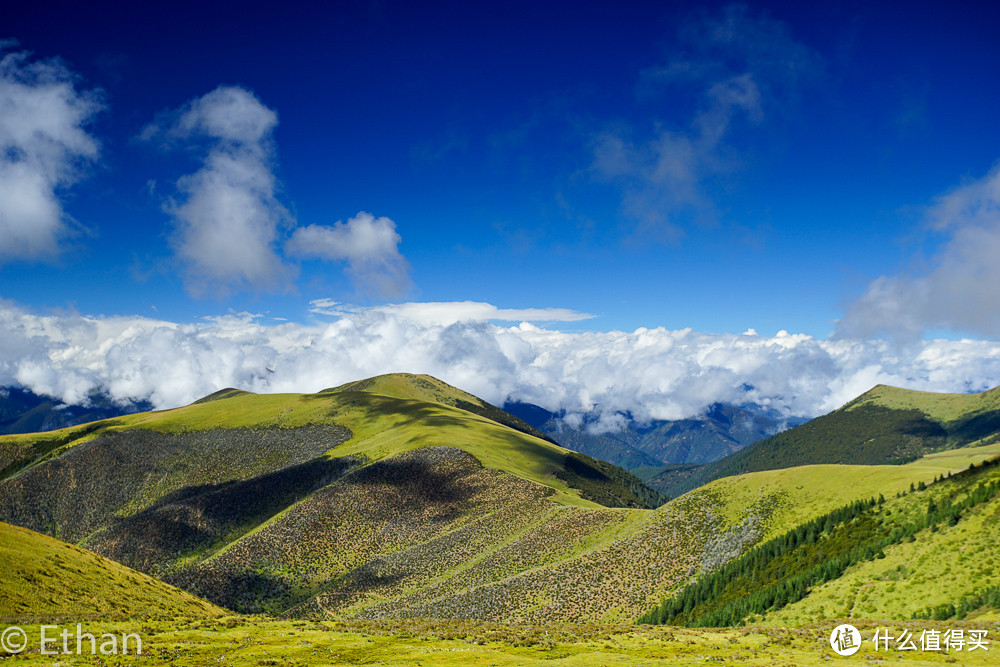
x,y
885,425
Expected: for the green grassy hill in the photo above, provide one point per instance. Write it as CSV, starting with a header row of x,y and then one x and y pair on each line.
x,y
44,579
929,550
533,562
377,424
387,499
431,390
886,425
176,493
799,494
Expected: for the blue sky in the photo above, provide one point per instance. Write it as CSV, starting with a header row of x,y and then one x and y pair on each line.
x,y
821,168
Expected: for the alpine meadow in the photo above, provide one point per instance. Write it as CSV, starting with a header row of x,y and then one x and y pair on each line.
x,y
499,334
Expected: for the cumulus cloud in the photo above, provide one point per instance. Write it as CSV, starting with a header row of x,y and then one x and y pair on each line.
x,y
960,291
369,246
227,218
739,67
650,373
43,145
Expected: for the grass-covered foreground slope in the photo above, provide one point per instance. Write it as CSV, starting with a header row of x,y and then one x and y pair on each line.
x,y
795,495
44,579
253,641
949,568
929,550
885,425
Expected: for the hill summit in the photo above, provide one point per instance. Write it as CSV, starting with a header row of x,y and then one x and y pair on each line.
x,y
885,425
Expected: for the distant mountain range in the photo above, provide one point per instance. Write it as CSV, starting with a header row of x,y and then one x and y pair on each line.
x,y
720,431
24,411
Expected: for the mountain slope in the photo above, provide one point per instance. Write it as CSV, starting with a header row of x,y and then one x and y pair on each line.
x,y
886,425
377,424
924,551
369,505
431,390
42,578
530,561
170,491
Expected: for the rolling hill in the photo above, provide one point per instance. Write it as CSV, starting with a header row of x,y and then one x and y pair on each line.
x,y
885,425
42,578
174,493
402,497
930,551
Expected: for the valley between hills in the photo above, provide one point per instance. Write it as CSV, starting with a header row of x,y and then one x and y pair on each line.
x,y
402,520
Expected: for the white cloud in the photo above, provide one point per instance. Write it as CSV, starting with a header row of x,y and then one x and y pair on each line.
x,y
651,373
43,144
369,245
451,312
229,224
228,218
960,291
739,67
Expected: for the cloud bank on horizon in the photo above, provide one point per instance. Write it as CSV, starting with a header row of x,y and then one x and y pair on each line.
x,y
649,373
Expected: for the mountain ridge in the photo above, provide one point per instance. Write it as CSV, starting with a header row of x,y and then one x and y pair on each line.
x,y
883,425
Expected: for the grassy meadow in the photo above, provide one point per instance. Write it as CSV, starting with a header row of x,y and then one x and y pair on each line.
x,y
255,641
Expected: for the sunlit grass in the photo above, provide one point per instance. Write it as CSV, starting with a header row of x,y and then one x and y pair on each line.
x,y
44,578
246,642
939,407
805,492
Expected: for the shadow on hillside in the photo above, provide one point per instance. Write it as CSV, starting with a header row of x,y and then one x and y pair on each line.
x,y
978,426
244,592
429,476
83,489
197,518
357,583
